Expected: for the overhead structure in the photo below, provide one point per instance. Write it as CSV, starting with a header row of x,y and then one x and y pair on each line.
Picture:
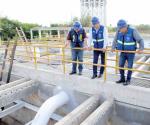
x,y
94,8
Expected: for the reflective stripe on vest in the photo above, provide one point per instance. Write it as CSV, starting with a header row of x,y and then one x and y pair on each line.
x,y
126,43
100,40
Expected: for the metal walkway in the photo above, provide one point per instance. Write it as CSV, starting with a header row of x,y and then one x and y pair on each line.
x,y
142,82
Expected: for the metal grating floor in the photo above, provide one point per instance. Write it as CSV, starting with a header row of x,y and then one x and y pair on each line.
x,y
142,82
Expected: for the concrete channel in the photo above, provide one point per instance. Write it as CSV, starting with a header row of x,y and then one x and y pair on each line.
x,y
93,101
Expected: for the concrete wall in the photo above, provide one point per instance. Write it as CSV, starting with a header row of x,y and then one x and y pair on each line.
x,y
126,114
83,87
131,94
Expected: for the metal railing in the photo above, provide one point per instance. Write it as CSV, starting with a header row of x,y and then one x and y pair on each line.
x,y
63,57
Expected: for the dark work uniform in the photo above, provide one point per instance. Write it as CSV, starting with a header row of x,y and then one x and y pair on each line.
x,y
77,41
98,41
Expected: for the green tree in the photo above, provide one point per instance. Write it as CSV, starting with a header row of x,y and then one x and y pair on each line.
x,y
86,21
143,28
9,28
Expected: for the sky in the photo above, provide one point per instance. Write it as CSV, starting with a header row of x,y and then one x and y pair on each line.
x,y
45,12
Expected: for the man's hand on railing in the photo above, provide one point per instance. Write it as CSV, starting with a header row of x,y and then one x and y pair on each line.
x,y
140,51
104,50
66,44
85,47
112,50
90,48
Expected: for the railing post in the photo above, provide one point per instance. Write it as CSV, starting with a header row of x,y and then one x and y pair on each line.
x,y
35,59
63,60
48,54
0,41
116,70
105,73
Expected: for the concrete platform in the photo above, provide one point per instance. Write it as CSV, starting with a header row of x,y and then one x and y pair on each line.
x,y
128,101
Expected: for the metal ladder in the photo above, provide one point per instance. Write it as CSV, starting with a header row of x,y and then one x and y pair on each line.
x,y
21,34
25,41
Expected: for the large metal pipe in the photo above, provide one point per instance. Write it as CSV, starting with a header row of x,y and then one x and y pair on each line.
x,y
49,107
77,116
101,115
142,67
142,59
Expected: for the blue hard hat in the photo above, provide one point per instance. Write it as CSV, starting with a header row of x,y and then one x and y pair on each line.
x,y
95,20
77,25
121,24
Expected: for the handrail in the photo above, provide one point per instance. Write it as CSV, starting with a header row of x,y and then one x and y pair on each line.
x,y
63,56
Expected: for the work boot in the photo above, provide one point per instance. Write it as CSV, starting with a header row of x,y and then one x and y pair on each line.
x,y
100,75
72,73
120,81
80,73
94,76
126,83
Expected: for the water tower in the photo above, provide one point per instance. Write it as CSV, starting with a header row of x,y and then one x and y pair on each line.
x,y
94,8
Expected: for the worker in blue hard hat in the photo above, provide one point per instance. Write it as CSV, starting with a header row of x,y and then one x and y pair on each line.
x,y
78,40
98,40
126,39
